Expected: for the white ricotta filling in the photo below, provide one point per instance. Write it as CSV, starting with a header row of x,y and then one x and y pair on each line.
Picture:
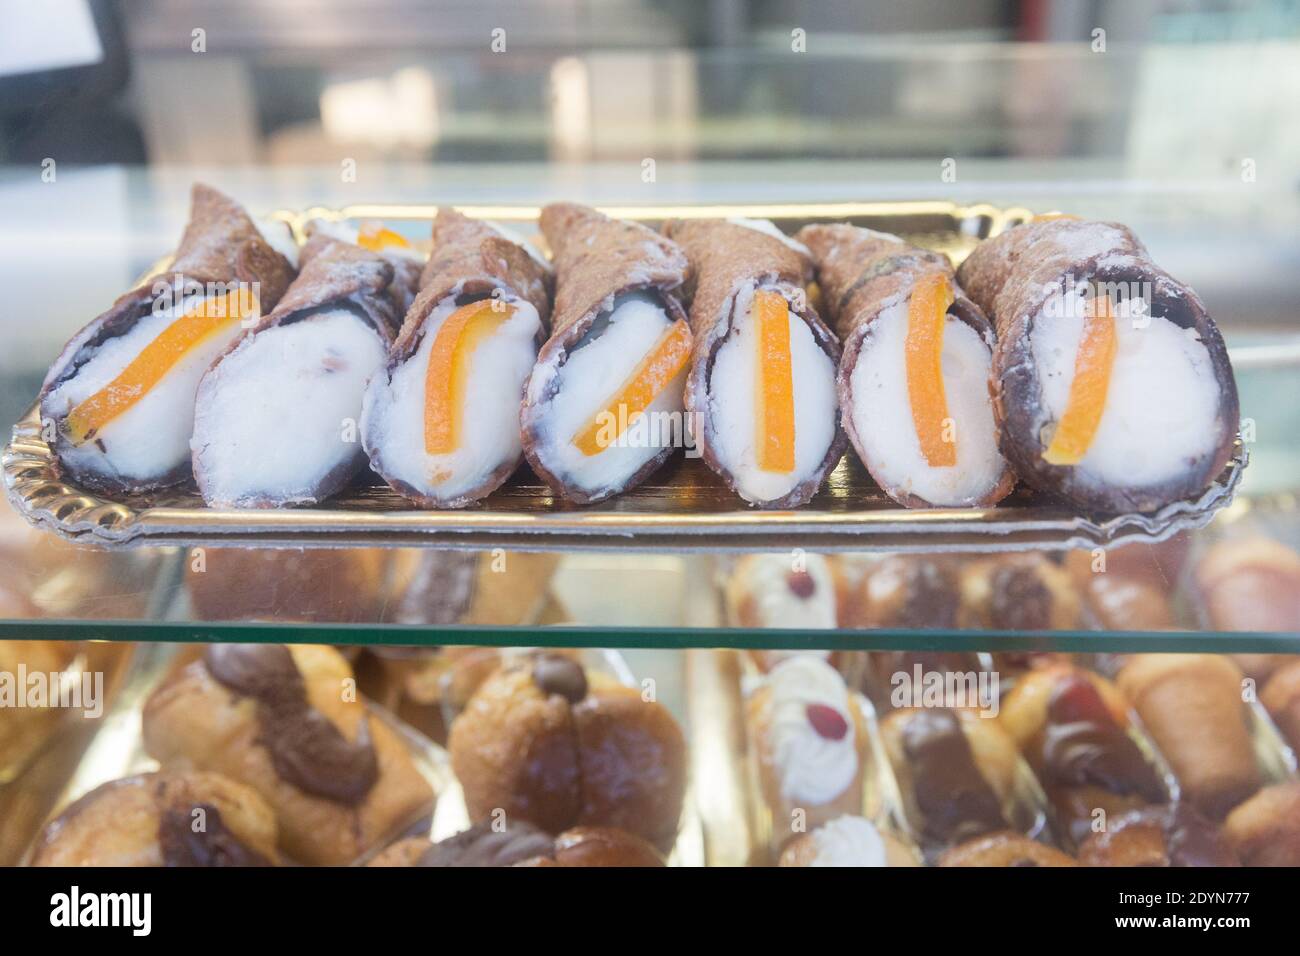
x,y
393,417
882,412
283,409
731,405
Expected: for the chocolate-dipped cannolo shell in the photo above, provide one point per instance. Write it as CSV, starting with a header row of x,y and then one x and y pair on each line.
x,y
598,262
730,259
471,261
221,245
862,274
320,365
408,264
1012,277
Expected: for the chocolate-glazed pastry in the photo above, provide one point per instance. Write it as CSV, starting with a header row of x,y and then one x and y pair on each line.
x,y
946,794
522,844
1072,727
1265,830
551,744
1005,850
1170,835
287,722
884,672
1018,592
908,591
190,818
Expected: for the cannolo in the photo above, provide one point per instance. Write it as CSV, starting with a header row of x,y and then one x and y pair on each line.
x,y
182,818
406,260
808,739
1111,384
1018,592
760,393
520,843
955,771
275,417
1169,835
848,841
913,379
441,420
282,721
546,742
1073,728
1249,584
1130,592
603,408
1265,830
118,403
1192,706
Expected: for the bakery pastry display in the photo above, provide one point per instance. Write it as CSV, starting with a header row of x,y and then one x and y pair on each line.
x,y
275,416
1131,591
120,398
886,674
1005,849
25,729
848,841
913,380
1249,584
1169,835
808,746
269,584
603,406
1085,366
776,590
286,722
908,591
1072,726
1018,592
956,774
1281,698
546,741
522,844
441,419
1192,706
1265,830
761,385
172,818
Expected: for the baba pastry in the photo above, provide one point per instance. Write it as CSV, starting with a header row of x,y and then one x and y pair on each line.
x,y
286,722
172,818
545,741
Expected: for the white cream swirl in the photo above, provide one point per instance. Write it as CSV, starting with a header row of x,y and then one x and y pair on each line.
x,y
849,841
814,769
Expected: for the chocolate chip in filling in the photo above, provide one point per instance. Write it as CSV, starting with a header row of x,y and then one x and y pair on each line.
x,y
212,845
305,746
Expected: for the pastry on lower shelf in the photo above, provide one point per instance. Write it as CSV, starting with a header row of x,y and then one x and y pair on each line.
x,y
848,841
287,721
1018,592
1005,849
547,742
1249,584
173,818
908,591
887,674
808,741
25,729
523,844
1281,698
269,584
956,773
1131,591
1073,728
1191,705
773,590
1169,835
1265,830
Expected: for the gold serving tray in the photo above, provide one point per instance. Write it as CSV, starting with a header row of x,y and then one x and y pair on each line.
x,y
682,507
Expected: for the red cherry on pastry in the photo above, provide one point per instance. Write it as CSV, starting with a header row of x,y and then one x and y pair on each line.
x,y
1076,700
801,583
827,721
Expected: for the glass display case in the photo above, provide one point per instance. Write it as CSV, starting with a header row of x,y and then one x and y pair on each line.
x,y
669,676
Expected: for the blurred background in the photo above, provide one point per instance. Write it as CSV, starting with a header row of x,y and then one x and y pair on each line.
x,y
1179,117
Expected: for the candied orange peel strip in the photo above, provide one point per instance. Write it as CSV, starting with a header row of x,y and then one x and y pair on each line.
x,y
927,314
447,374
652,375
774,401
376,237
1092,367
212,316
